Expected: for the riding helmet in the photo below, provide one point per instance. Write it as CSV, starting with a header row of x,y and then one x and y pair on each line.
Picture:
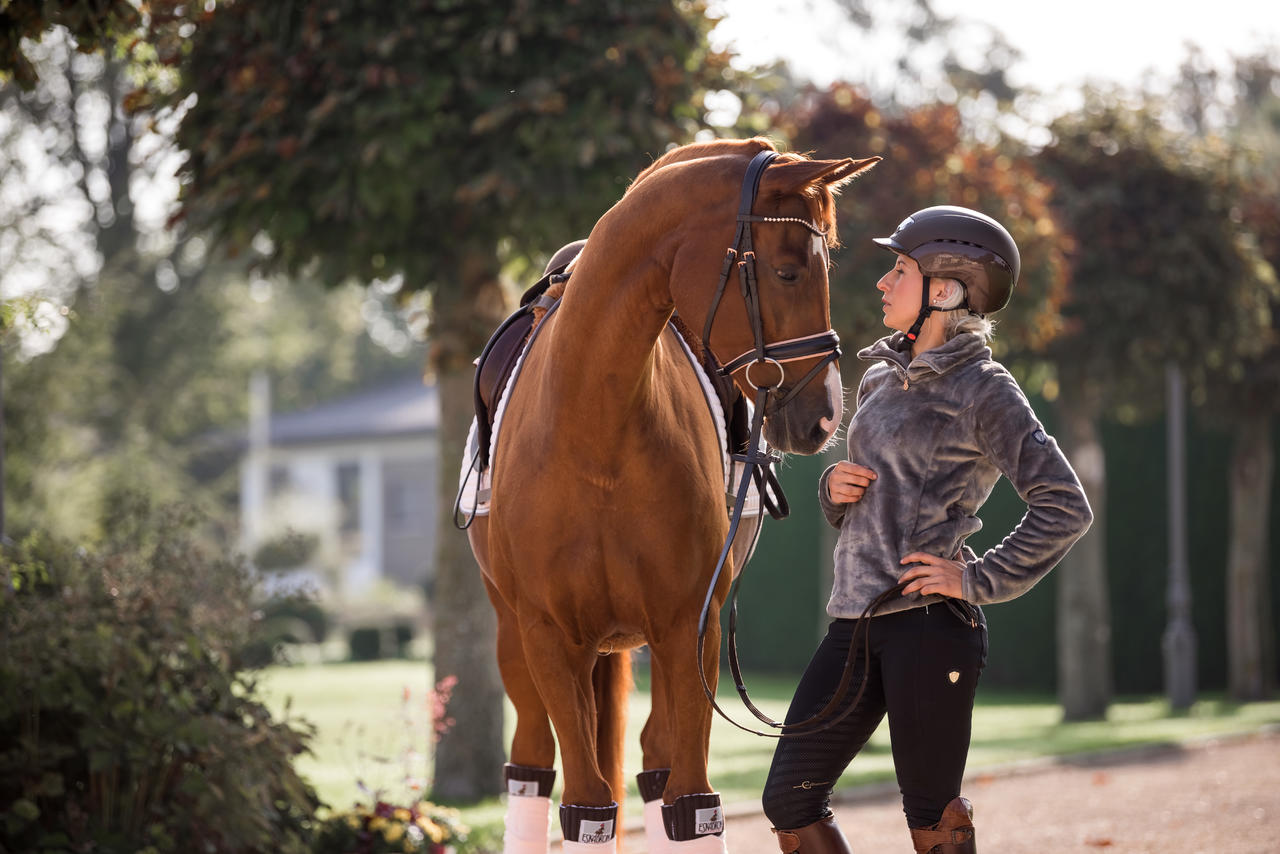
x,y
962,244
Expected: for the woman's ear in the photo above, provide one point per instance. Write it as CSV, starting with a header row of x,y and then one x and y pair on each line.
x,y
947,293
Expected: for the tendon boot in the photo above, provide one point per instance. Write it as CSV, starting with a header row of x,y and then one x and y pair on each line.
x,y
953,834
821,837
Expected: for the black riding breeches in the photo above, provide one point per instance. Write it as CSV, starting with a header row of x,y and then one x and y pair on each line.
x,y
923,672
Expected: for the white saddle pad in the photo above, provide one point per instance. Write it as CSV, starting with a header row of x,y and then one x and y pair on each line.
x,y
474,488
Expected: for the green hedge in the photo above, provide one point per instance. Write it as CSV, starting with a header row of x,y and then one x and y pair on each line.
x,y
127,723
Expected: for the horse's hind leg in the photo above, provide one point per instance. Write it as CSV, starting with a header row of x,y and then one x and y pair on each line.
x,y
563,674
655,744
529,775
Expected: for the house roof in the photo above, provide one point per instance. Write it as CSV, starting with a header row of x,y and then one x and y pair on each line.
x,y
399,408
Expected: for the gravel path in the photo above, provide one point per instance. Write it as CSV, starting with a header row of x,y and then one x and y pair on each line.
x,y
1209,797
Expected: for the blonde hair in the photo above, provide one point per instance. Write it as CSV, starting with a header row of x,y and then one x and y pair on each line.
x,y
956,319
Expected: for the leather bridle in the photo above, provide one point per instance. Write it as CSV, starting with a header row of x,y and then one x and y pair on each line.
x,y
742,251
759,458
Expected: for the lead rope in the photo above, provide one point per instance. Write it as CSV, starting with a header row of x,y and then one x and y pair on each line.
x,y
759,466
759,461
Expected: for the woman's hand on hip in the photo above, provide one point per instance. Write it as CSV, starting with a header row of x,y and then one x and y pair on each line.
x,y
934,575
848,482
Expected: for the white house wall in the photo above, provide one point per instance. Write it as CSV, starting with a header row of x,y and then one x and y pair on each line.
x,y
312,503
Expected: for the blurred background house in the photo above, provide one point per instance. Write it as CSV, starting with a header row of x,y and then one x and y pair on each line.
x,y
355,477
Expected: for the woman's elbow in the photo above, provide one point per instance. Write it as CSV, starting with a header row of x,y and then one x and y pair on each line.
x,y
1086,515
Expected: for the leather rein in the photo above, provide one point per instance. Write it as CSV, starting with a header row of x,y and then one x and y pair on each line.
x,y
758,460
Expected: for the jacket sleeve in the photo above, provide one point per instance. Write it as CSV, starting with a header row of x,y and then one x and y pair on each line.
x,y
832,511
1009,434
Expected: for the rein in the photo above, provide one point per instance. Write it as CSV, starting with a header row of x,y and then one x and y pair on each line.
x,y
758,462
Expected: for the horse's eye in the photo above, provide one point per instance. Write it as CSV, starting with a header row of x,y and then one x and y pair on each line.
x,y
787,273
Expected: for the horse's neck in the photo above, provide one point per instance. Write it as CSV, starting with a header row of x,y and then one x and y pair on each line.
x,y
606,332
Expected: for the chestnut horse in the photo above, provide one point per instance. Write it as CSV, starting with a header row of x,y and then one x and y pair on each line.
x,y
607,511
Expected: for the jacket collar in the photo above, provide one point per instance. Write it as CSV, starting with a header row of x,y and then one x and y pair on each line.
x,y
963,347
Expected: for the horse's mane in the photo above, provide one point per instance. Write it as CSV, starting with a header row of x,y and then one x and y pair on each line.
x,y
749,147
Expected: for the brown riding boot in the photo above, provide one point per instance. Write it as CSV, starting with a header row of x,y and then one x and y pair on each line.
x,y
953,834
821,837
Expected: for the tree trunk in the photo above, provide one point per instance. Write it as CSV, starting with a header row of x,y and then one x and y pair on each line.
x,y
470,754
1084,611
1249,631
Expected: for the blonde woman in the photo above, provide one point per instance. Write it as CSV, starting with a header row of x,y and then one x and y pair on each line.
x,y
937,423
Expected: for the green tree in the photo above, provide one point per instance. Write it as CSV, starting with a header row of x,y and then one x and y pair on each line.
x,y
1246,393
438,140
930,158
1159,276
92,24
156,334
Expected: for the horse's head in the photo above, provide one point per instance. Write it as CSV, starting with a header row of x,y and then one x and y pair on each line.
x,y
786,312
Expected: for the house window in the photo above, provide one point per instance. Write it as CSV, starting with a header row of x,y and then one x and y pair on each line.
x,y
277,480
349,498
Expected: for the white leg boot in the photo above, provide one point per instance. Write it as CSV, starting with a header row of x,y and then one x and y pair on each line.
x,y
528,818
651,784
589,830
695,825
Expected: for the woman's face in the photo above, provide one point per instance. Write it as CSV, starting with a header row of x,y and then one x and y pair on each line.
x,y
900,289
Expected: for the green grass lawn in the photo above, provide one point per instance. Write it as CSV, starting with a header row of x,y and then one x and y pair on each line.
x,y
372,721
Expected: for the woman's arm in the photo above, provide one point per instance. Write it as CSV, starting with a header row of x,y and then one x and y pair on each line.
x,y
1058,513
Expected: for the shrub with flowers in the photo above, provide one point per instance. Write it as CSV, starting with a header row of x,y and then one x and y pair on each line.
x,y
388,829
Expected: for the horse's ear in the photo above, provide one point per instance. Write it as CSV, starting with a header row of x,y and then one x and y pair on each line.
x,y
796,176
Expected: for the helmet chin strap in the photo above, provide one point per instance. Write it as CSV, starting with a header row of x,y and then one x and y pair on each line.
x,y
925,311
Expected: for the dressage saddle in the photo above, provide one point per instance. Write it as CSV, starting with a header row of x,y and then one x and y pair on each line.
x,y
502,352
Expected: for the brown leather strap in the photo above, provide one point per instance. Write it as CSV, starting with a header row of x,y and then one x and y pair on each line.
x,y
927,841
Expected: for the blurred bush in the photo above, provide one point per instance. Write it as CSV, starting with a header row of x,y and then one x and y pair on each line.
x,y
287,551
388,829
366,643
127,720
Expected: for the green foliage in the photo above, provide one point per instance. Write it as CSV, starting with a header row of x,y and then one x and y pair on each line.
x,y
126,721
929,159
94,24
148,388
366,643
1251,144
384,137
1160,269
287,551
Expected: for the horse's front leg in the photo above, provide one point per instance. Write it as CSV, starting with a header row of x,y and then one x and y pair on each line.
x,y
692,814
656,747
561,669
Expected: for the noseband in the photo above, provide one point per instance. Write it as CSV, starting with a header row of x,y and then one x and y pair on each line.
x,y
743,252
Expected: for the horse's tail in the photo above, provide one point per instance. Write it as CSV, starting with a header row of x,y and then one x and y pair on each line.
x,y
612,682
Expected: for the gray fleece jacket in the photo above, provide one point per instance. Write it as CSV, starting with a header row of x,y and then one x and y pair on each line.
x,y
939,430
